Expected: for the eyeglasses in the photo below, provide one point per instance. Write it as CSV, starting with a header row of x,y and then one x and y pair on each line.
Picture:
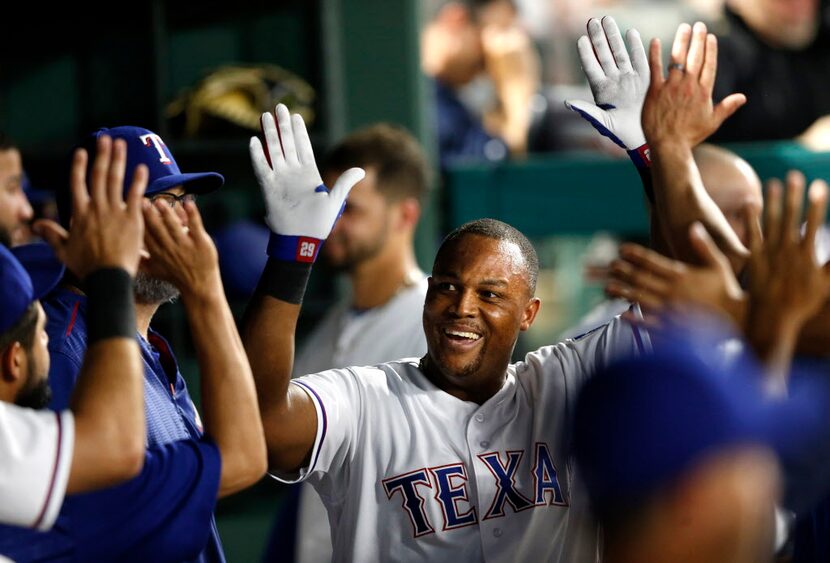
x,y
171,199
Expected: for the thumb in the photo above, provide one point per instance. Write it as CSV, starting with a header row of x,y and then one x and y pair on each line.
x,y
728,106
588,111
346,182
53,234
705,247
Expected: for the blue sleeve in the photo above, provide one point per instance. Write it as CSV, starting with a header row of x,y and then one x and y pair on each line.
x,y
164,514
461,136
63,372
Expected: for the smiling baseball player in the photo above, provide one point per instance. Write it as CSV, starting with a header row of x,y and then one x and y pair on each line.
x,y
457,456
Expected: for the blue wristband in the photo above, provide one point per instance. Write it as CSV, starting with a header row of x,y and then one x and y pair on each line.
x,y
293,248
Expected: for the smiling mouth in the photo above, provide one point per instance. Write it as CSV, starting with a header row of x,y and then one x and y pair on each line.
x,y
462,335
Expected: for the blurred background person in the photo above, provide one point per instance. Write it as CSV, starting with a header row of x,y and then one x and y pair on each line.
x,y
777,52
459,44
15,209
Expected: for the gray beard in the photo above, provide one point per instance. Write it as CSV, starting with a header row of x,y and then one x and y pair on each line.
x,y
153,291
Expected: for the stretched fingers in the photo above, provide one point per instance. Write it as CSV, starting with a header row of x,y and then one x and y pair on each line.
x,y
640,279
772,214
590,64
705,247
286,131
77,182
655,62
273,147
639,61
305,152
679,51
697,50
816,213
616,43
172,223
793,201
647,259
710,63
156,236
115,174
100,168
135,196
601,48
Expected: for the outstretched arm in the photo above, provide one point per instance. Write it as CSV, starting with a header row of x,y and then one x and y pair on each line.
x,y
787,286
185,255
665,287
301,212
678,114
620,79
102,249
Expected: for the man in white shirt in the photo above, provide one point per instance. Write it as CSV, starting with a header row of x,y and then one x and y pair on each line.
x,y
456,456
372,243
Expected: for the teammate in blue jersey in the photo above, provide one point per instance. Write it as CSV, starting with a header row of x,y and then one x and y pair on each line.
x,y
165,514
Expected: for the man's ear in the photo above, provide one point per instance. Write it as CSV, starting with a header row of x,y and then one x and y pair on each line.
x,y
409,212
531,309
12,362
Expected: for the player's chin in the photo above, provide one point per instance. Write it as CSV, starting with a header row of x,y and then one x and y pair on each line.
x,y
459,363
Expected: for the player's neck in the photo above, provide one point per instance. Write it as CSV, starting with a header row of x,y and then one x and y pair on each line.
x,y
479,393
143,315
379,279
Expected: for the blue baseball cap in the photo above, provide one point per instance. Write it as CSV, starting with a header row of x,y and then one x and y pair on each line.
x,y
643,422
146,147
20,286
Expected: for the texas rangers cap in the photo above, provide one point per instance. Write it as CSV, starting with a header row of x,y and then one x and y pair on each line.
x,y
146,147
643,422
20,286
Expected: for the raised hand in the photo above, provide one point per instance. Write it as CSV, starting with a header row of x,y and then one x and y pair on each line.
x,y
182,254
618,79
663,286
787,285
105,231
300,210
679,108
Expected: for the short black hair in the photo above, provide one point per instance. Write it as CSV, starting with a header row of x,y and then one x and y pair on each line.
x,y
400,164
501,231
22,331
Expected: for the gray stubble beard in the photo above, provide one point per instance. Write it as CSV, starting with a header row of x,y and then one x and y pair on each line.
x,y
153,291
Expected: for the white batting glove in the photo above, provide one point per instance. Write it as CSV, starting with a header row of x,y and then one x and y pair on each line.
x,y
618,82
300,210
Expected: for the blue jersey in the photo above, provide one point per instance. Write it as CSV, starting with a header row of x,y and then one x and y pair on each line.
x,y
461,136
164,514
170,413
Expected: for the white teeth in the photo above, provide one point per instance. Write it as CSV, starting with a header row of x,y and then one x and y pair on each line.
x,y
468,335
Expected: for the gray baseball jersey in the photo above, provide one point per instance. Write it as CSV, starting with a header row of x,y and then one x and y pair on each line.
x,y
409,472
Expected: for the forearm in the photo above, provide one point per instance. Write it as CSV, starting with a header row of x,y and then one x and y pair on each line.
x,y
515,119
229,402
288,417
108,400
773,341
680,199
